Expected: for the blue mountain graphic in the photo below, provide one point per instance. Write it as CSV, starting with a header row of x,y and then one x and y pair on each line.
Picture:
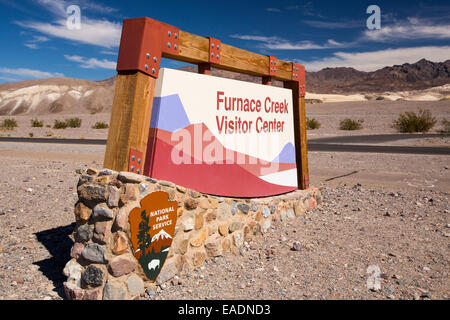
x,y
287,155
168,113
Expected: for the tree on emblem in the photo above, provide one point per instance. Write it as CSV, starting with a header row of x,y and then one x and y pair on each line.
x,y
143,236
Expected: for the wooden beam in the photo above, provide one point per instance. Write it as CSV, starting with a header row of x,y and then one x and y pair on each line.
x,y
301,149
130,118
195,49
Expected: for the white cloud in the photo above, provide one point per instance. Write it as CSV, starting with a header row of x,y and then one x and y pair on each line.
x,y
276,43
374,60
334,24
411,29
29,73
58,7
92,63
273,10
101,33
33,43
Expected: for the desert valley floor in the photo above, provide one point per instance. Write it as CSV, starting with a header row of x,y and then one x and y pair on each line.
x,y
386,210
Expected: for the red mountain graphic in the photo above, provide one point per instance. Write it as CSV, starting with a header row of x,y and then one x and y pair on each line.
x,y
255,166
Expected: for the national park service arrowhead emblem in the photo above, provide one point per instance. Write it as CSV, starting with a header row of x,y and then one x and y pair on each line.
x,y
152,231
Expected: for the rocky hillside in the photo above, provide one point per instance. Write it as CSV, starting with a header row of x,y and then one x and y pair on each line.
x,y
417,76
64,95
56,95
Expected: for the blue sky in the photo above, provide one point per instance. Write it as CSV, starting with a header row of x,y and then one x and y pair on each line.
x,y
36,42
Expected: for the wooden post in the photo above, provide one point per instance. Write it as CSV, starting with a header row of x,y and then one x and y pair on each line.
x,y
301,149
130,118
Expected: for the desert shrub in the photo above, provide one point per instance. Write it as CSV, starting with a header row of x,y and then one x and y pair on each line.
x,y
31,135
73,122
35,123
350,124
410,122
60,124
445,126
9,124
100,125
312,123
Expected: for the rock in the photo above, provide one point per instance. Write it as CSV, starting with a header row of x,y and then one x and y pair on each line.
x,y
72,271
82,212
188,224
299,209
297,246
101,211
226,245
120,243
168,271
235,226
213,246
131,193
283,215
238,239
210,215
248,233
265,212
273,209
114,196
107,172
143,189
92,277
425,295
76,250
84,232
121,265
92,194
72,291
94,253
150,292
181,246
167,184
121,222
223,211
198,221
223,229
266,226
102,231
244,208
290,214
204,203
135,285
92,294
84,179
181,189
194,194
198,258
130,177
190,204
92,171
113,292
234,208
254,206
200,238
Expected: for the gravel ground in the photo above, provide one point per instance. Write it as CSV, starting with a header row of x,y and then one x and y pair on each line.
x,y
369,218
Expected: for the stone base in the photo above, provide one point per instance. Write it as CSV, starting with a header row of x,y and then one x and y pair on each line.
x,y
103,266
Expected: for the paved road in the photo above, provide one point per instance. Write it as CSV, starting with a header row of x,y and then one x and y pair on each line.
x,y
321,144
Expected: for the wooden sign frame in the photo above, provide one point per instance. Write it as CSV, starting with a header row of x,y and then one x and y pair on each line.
x,y
143,43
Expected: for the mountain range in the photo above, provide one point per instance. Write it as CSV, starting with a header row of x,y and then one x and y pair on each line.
x,y
72,96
